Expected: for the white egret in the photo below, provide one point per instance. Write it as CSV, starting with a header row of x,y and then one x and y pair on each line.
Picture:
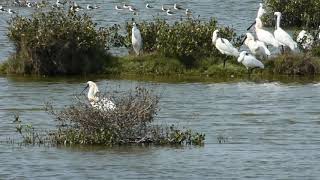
x,y
256,47
148,6
224,46
177,7
264,35
249,61
136,39
103,104
282,36
305,39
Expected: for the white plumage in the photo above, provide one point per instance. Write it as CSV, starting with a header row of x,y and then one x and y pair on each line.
x,y
249,61
136,39
265,36
224,46
305,39
257,48
102,104
261,11
282,36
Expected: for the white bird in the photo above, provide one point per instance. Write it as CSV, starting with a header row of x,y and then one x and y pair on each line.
x,y
264,35
2,9
305,39
177,7
282,36
261,11
103,104
188,12
89,7
59,3
163,8
257,48
118,7
224,46
125,6
169,12
148,6
136,39
249,61
132,9
10,11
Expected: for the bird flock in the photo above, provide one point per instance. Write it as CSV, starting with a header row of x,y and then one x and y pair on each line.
x,y
258,46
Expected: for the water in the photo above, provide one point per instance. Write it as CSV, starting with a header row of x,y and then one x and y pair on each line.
x,y
271,130
236,13
271,126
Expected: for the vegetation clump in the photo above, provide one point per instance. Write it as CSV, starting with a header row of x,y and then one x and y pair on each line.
x,y
297,13
187,40
56,42
129,123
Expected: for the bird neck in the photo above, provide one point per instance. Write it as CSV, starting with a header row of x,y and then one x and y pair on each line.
x,y
278,21
214,37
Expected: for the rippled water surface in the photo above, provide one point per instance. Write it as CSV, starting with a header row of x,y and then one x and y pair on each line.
x,y
272,132
272,128
236,13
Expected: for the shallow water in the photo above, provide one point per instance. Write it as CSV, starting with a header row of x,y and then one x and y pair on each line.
x,y
271,130
271,126
236,13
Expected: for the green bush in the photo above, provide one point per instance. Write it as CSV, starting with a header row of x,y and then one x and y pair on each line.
x,y
57,42
187,40
296,13
294,64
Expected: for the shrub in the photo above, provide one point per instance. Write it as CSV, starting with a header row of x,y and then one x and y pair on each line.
x,y
294,64
129,123
57,42
297,13
187,40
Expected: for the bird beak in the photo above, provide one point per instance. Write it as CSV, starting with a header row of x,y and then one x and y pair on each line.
x,y
244,39
84,88
251,26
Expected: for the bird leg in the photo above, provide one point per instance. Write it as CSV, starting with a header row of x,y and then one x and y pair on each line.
x,y
224,63
282,49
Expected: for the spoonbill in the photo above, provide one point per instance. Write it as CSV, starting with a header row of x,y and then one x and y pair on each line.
x,y
305,39
163,8
249,61
169,12
257,48
282,36
125,6
90,7
224,46
188,12
103,104
264,35
117,7
10,11
260,13
136,39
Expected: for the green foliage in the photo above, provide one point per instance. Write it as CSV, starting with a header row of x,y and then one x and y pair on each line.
x,y
296,13
187,40
294,64
58,42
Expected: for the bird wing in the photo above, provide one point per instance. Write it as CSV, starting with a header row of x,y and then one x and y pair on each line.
x,y
284,38
251,62
266,37
225,47
262,46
